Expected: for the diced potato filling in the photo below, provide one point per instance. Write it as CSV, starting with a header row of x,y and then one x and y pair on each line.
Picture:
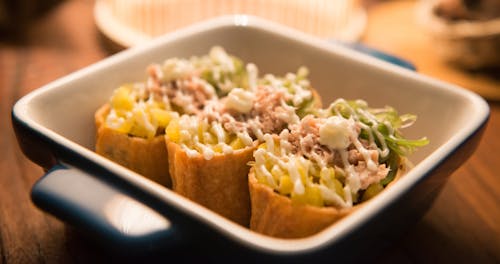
x,y
122,98
203,137
136,116
300,179
141,110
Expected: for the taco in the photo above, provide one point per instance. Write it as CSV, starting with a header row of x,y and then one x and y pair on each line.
x,y
319,170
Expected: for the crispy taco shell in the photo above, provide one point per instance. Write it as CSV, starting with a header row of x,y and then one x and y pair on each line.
x,y
220,184
276,215
147,157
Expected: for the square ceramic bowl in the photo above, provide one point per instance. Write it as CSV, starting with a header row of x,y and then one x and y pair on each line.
x,y
55,128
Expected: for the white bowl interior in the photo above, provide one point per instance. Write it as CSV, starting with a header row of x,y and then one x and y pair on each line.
x,y
66,107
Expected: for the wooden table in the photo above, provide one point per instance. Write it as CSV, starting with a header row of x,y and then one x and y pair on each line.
x,y
463,226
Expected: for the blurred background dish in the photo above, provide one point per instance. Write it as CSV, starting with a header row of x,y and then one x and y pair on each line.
x,y
411,40
466,33
17,16
130,22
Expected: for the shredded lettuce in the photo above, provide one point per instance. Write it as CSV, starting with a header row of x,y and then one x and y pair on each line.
x,y
307,107
393,163
223,71
385,120
298,85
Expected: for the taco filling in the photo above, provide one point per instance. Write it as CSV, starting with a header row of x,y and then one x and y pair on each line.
x,y
338,159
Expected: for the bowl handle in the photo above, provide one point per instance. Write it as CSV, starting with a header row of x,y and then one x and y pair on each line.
x,y
100,209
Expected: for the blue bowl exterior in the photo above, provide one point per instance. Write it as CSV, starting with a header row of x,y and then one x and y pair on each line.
x,y
34,146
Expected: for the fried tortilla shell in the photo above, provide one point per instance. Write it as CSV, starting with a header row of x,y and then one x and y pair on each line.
x,y
276,215
220,184
147,157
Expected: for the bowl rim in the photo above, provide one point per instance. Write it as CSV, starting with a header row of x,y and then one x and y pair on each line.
x,y
233,231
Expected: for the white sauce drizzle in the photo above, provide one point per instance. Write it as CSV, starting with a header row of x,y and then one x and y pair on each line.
x,y
206,151
268,138
240,100
219,132
245,138
348,195
253,74
331,197
268,175
298,186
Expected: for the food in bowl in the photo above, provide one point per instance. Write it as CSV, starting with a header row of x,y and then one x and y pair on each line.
x,y
208,153
258,150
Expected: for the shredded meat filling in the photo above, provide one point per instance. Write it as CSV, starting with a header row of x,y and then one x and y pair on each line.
x,y
190,94
266,115
304,139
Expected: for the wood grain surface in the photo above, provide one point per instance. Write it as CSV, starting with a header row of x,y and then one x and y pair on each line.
x,y
463,225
